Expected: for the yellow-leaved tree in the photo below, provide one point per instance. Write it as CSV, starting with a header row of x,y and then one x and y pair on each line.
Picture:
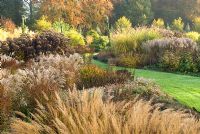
x,y
83,13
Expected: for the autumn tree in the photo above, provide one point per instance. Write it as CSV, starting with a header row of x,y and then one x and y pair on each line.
x,y
53,9
82,13
95,12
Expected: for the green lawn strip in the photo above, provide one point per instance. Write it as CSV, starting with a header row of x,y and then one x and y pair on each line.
x,y
184,88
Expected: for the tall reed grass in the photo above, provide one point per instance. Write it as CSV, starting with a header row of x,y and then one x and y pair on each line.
x,y
130,40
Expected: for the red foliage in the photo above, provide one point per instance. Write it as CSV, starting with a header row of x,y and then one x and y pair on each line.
x,y
7,24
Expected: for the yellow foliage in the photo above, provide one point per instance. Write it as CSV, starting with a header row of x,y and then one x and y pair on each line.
x,y
43,24
196,22
193,35
123,23
178,24
17,32
159,23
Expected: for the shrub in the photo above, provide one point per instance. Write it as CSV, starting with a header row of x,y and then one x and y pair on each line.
x,y
97,41
170,61
178,24
75,38
187,63
94,34
123,23
61,26
26,47
193,35
53,42
87,112
6,34
159,23
43,24
128,61
175,54
156,48
196,23
101,43
7,24
93,76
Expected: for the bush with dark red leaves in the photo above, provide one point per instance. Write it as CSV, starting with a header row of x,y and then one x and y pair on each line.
x,y
26,47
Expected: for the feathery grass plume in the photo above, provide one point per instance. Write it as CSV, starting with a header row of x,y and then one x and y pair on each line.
x,y
84,112
156,48
7,62
51,74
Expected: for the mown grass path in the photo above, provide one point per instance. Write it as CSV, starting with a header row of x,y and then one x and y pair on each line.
x,y
184,88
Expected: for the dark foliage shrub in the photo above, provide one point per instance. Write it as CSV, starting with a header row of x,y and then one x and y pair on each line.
x,y
197,61
50,41
20,48
26,47
93,76
187,63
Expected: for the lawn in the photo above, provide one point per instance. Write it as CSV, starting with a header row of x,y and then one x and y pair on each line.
x,y
184,88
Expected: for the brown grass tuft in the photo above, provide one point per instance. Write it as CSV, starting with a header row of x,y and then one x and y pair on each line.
x,y
84,112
